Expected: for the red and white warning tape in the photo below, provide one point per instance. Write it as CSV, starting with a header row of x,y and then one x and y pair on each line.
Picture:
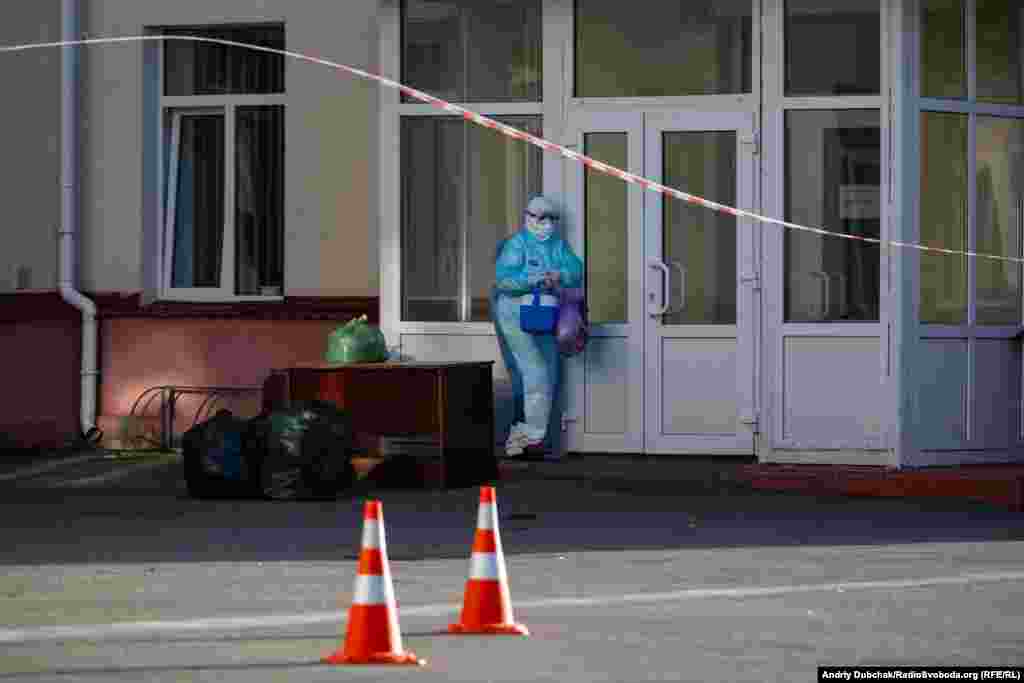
x,y
517,134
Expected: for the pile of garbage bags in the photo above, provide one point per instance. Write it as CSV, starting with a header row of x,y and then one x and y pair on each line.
x,y
300,452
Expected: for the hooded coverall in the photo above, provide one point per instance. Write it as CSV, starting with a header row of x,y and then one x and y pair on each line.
x,y
533,360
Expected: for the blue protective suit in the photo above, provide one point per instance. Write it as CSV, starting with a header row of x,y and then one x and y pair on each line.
x,y
533,360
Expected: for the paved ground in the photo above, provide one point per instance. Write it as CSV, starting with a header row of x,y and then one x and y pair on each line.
x,y
111,573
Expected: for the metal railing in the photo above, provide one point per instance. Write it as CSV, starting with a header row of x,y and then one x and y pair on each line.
x,y
169,395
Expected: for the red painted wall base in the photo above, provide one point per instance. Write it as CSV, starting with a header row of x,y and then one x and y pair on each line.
x,y
140,347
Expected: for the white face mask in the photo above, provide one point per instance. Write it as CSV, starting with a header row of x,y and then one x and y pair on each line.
x,y
541,229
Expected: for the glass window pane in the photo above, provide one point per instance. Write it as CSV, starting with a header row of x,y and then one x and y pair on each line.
x,y
470,51
943,49
943,218
833,178
649,48
199,68
502,174
463,191
259,200
199,203
606,223
701,241
1000,51
848,32
1000,179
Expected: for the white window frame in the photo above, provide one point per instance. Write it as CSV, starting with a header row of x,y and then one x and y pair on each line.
x,y
748,101
171,109
970,332
972,108
775,327
393,110
555,107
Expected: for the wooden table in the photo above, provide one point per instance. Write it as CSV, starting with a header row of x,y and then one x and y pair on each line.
x,y
452,401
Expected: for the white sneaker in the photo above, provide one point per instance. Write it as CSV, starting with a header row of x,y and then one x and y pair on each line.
x,y
517,440
520,447
516,433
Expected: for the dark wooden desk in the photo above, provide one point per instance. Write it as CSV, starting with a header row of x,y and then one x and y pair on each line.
x,y
453,401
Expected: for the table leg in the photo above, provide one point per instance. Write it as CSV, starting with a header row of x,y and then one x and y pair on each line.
x,y
468,405
442,423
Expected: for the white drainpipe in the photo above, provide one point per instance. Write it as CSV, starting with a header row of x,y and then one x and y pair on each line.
x,y
69,94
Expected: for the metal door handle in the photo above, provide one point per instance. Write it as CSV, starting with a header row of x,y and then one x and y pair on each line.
x,y
658,265
844,304
1020,228
826,293
965,417
682,289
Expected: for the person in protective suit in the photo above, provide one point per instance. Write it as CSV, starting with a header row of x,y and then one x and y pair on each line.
x,y
535,256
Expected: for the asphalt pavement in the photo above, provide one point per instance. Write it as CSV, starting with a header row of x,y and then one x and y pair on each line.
x,y
666,571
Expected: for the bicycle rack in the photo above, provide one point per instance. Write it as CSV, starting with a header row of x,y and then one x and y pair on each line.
x,y
169,395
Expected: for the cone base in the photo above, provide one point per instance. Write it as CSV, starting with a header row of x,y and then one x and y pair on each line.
x,y
491,629
406,658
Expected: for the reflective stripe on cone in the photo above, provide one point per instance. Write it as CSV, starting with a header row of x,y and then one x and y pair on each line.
x,y
487,604
373,635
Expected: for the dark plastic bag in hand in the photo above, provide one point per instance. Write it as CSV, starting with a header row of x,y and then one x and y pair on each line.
x,y
572,330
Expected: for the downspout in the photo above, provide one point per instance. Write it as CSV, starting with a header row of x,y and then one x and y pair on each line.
x,y
69,94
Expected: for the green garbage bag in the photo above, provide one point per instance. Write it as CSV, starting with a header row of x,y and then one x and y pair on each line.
x,y
356,342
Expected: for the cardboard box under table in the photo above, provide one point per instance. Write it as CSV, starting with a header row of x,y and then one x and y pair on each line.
x,y
454,402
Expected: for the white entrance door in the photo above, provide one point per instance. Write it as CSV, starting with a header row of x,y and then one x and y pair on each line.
x,y
673,289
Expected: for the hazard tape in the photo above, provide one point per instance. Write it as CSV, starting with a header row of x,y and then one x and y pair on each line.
x,y
547,145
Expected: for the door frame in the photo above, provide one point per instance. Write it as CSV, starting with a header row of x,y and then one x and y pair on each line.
x,y
576,403
639,124
748,289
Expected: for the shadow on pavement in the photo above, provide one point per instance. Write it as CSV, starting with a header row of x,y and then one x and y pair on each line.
x,y
148,518
153,670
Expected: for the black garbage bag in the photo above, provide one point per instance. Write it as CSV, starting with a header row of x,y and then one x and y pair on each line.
x,y
304,451
215,458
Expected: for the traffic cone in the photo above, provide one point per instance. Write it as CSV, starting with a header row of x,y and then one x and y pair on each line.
x,y
487,607
373,635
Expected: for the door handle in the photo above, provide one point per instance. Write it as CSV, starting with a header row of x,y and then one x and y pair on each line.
x,y
1020,228
826,292
682,289
844,304
658,265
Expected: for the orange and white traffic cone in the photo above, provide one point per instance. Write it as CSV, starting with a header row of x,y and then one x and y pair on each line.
x,y
487,607
373,635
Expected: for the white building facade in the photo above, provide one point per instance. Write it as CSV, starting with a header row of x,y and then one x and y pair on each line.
x,y
243,197
897,121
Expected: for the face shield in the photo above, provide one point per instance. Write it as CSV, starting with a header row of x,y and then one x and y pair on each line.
x,y
541,218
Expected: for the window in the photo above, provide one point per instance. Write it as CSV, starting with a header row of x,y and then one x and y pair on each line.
x,y
971,132
223,114
469,51
703,241
943,217
198,68
464,188
606,218
832,159
848,32
1000,54
943,47
650,48
833,178
999,175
